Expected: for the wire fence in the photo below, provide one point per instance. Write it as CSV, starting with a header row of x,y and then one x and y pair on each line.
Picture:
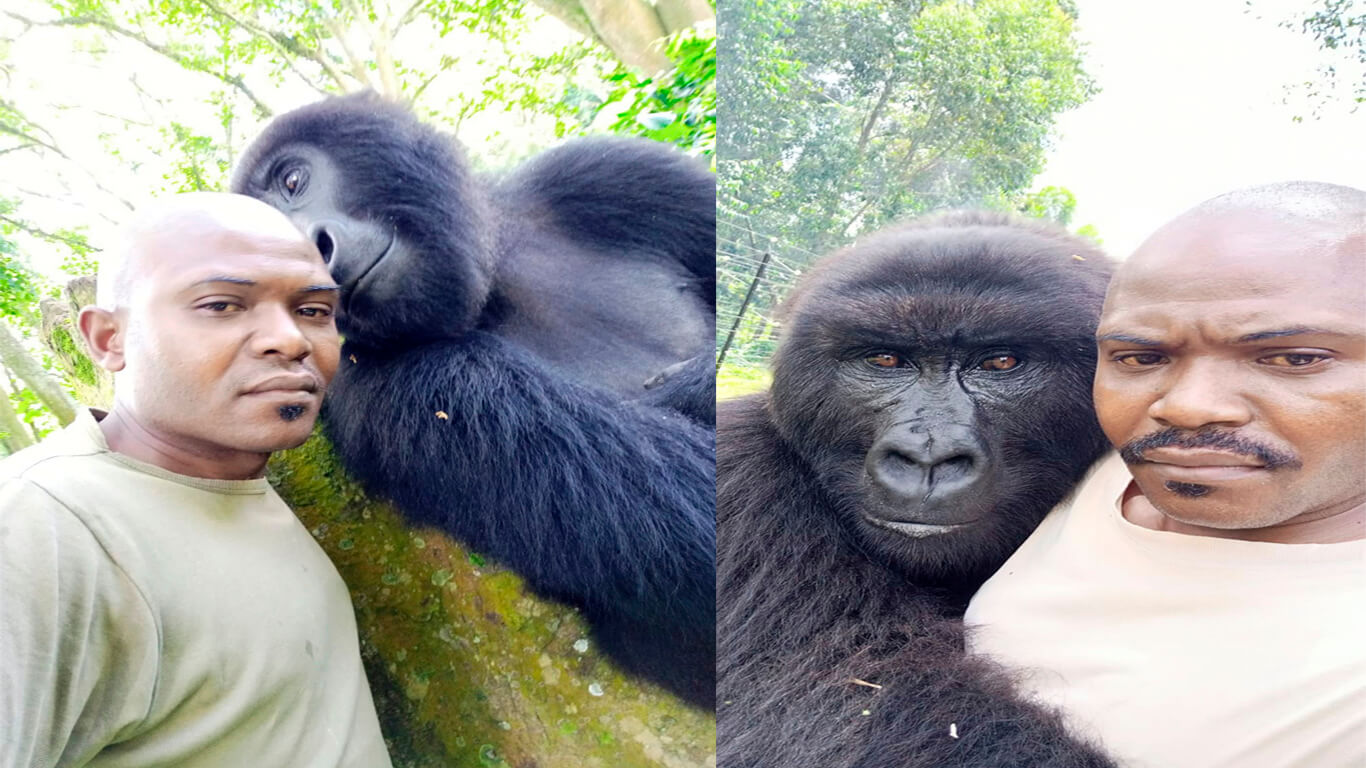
x,y
754,272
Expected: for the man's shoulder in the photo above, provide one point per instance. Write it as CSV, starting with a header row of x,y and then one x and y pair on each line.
x,y
62,454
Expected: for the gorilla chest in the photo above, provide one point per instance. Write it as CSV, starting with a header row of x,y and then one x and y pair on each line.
x,y
608,321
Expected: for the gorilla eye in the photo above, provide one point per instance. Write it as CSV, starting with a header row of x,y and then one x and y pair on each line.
x,y
294,180
999,363
883,360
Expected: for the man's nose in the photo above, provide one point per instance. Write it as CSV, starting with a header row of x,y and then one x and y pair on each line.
x,y
1201,393
277,332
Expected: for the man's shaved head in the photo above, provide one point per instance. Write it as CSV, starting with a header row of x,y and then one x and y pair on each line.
x,y
1232,365
1289,200
169,224
216,316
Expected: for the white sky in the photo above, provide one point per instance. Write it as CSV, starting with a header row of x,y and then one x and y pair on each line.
x,y
81,84
1192,106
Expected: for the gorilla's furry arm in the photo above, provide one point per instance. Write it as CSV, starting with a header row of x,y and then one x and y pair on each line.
x,y
604,504
831,660
626,195
640,199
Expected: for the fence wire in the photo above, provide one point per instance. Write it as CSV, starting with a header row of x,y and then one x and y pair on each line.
x,y
754,272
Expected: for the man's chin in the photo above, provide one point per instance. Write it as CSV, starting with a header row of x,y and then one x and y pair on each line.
x,y
272,432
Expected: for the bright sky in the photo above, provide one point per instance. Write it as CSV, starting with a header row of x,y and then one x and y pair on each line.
x,y
81,85
1192,106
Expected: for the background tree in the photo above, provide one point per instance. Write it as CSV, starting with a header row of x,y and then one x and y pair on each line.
x,y
853,114
1339,26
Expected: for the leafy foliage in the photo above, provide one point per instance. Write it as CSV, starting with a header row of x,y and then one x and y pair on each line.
x,y
856,113
677,106
845,116
1339,25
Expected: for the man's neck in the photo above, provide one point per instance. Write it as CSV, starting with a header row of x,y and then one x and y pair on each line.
x,y
1346,525
134,439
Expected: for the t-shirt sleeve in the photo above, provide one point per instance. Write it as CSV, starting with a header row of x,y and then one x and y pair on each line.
x,y
78,641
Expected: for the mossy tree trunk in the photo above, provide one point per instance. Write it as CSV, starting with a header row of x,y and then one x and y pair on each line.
x,y
467,666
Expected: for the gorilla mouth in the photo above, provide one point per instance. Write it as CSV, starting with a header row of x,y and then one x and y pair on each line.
x,y
351,288
917,530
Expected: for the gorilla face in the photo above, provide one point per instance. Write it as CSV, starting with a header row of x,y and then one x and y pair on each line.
x,y
391,207
924,378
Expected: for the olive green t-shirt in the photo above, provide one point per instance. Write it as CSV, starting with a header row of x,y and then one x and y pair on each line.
x,y
152,619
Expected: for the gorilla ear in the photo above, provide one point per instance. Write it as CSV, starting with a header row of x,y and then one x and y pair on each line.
x,y
103,332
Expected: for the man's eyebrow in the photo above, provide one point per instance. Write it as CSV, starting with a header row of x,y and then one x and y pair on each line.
x,y
318,288
224,279
1299,330
1128,339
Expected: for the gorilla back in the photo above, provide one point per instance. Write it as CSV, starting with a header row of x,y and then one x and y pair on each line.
x,y
524,358
930,403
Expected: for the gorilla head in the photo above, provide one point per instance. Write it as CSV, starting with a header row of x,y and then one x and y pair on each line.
x,y
937,380
391,205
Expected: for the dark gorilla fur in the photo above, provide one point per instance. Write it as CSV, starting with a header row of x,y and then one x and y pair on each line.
x,y
459,400
841,642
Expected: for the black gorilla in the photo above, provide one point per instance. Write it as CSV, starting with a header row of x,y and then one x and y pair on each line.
x,y
931,401
500,337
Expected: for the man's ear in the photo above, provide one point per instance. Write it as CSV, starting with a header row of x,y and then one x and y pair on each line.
x,y
103,332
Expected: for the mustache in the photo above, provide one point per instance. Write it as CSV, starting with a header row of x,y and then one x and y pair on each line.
x,y
1171,437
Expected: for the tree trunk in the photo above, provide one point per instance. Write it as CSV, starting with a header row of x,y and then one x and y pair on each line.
x,y
468,668
14,435
30,371
678,15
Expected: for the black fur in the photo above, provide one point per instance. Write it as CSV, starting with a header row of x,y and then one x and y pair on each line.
x,y
501,333
841,642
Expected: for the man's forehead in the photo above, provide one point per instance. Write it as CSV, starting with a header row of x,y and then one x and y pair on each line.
x,y
174,265
1241,254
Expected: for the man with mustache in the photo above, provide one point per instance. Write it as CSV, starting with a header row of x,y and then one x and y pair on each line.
x,y
1201,600
159,603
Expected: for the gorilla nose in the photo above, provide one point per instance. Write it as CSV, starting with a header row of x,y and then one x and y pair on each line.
x,y
324,239
918,465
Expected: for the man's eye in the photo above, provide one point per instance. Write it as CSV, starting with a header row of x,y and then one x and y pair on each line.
x,y
1293,359
1140,359
315,311
221,306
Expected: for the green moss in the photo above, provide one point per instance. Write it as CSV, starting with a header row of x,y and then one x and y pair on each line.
x,y
80,366
462,657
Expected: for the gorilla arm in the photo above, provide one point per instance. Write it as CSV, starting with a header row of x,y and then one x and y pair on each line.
x,y
605,505
643,199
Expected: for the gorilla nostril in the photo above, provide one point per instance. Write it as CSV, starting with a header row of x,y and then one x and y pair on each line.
x,y
910,473
325,245
952,469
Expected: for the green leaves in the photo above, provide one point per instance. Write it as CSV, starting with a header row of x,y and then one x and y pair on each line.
x,y
849,115
678,106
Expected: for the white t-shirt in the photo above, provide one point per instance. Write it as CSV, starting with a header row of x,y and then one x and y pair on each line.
x,y
1181,651
153,619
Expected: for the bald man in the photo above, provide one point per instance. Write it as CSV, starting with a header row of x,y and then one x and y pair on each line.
x,y
1200,602
159,604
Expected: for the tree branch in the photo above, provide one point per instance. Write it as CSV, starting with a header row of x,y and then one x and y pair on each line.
x,y
110,25
48,390
875,114
358,70
15,437
48,236
283,44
